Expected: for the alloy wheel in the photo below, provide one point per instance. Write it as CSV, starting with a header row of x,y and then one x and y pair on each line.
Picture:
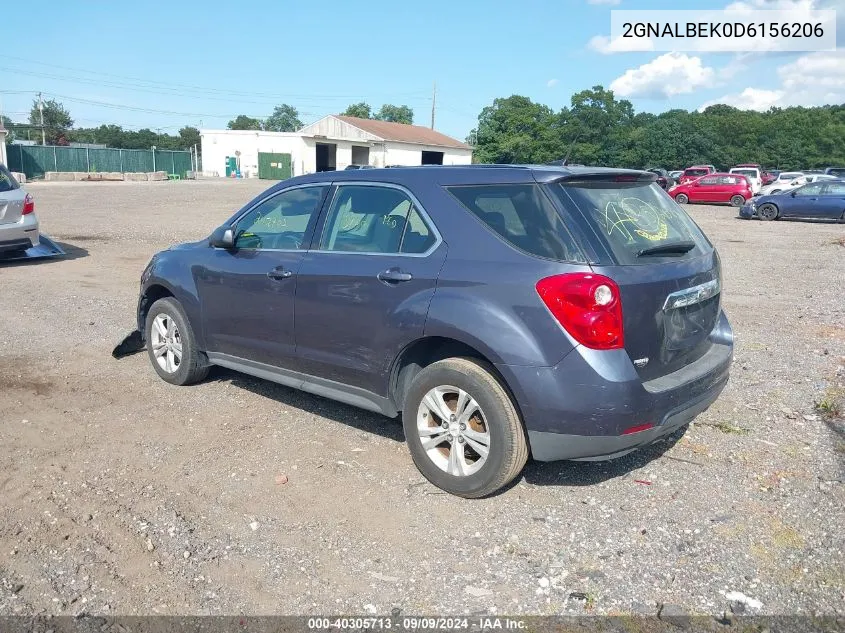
x,y
166,343
453,430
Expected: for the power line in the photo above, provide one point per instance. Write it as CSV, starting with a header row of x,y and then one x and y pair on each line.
x,y
182,88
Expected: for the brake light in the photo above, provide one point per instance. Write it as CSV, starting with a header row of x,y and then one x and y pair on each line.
x,y
28,204
588,306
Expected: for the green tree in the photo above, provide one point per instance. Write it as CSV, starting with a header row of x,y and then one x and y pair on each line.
x,y
517,130
57,121
395,114
244,122
6,122
360,110
188,137
285,118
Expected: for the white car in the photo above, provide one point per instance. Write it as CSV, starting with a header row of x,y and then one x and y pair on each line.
x,y
18,224
754,177
803,179
782,182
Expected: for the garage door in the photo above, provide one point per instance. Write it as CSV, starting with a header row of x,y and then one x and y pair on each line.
x,y
273,166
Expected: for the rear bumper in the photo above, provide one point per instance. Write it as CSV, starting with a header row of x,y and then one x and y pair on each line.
x,y
581,408
21,234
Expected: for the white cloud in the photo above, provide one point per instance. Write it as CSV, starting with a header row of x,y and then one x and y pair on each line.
x,y
665,76
607,46
812,79
551,83
612,2
748,99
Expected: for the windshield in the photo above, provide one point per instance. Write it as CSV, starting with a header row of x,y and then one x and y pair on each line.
x,y
790,175
7,183
696,172
633,218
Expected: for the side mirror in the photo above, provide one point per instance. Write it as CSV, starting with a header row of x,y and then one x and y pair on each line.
x,y
222,237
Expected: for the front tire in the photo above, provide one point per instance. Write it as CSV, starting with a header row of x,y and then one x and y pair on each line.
x,y
768,212
682,198
737,200
171,344
463,430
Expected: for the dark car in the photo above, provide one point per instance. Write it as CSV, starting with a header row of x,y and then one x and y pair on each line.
x,y
664,178
839,172
822,200
353,166
572,313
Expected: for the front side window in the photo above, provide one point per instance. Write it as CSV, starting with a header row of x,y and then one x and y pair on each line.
x,y
373,219
281,221
813,189
709,181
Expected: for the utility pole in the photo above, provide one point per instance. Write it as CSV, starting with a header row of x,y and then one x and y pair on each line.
x,y
433,103
41,112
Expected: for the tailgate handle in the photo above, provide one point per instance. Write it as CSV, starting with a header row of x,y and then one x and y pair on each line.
x,y
691,296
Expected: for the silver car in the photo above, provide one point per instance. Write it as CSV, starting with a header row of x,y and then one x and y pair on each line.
x,y
18,224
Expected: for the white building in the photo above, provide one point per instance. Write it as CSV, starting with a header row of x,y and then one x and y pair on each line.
x,y
333,142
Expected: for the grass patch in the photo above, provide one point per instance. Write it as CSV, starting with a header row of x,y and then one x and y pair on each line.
x,y
830,405
728,428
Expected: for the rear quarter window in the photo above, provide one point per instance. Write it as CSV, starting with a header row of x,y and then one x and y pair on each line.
x,y
522,216
631,217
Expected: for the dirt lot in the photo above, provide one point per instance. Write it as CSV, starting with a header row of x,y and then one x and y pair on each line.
x,y
122,494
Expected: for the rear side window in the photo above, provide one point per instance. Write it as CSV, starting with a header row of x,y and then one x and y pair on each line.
x,y
523,216
635,219
7,182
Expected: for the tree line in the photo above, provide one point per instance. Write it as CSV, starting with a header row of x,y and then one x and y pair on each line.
x,y
58,126
598,129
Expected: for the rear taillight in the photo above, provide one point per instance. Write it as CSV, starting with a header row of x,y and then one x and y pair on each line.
x,y
588,306
28,204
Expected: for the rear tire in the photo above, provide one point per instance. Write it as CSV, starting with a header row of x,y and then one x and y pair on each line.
x,y
459,402
171,344
737,200
682,198
768,212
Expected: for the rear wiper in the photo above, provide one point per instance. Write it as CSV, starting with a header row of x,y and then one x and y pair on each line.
x,y
671,248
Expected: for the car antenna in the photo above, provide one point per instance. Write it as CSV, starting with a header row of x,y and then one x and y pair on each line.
x,y
571,147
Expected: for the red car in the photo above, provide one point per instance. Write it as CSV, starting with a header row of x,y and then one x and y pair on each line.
x,y
694,172
731,188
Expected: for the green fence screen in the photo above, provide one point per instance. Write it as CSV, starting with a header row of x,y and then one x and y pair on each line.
x,y
35,160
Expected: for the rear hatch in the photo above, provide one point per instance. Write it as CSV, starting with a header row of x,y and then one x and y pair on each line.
x,y
11,198
667,271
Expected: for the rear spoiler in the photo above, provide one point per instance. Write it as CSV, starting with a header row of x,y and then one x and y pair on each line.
x,y
610,175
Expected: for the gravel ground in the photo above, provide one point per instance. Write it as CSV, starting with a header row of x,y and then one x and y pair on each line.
x,y
121,494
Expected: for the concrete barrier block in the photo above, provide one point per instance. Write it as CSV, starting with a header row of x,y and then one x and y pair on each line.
x,y
158,175
20,177
59,176
79,176
135,177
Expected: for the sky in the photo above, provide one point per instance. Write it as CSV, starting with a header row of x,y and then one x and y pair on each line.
x,y
164,65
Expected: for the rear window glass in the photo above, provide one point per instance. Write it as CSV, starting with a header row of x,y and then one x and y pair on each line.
x,y
837,171
523,217
696,172
7,182
632,217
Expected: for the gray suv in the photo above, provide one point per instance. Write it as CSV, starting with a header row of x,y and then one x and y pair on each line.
x,y
502,311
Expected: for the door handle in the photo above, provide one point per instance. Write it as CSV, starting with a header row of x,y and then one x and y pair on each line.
x,y
279,273
393,276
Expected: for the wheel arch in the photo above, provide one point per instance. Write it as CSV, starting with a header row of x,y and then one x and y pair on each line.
x,y
427,350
